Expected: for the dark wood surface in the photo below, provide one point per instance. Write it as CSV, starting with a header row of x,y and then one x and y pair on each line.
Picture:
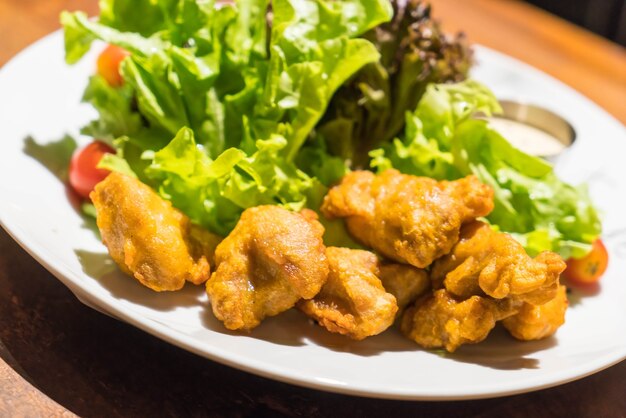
x,y
57,356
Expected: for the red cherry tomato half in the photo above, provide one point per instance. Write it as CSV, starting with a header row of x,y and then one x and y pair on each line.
x,y
591,267
109,64
84,175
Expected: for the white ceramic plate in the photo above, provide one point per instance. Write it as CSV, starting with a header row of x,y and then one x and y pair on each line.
x,y
40,99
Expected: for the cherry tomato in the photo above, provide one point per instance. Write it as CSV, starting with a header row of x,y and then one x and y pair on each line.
x,y
84,175
591,267
109,64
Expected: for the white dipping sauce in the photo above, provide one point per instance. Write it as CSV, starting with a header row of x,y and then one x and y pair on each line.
x,y
527,138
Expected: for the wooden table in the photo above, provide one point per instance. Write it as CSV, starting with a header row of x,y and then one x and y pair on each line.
x,y
87,363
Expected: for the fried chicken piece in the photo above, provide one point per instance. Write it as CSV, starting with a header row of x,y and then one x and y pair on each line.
x,y
440,320
488,262
409,219
487,277
537,322
148,238
272,259
406,283
353,301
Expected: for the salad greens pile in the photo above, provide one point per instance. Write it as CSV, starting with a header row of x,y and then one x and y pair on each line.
x,y
238,98
370,109
233,106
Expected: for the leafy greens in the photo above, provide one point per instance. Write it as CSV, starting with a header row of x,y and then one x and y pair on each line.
x,y
239,98
369,109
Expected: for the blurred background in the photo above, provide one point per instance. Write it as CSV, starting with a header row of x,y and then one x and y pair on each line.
x,y
607,18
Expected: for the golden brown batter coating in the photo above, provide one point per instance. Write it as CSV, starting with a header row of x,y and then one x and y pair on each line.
x,y
148,238
488,262
272,259
409,219
353,301
537,322
439,320
406,283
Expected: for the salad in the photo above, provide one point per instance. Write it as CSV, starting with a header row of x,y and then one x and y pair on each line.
x,y
224,108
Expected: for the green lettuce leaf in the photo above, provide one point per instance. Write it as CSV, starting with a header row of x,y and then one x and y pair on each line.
x,y
213,193
80,32
115,109
178,19
315,160
124,15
